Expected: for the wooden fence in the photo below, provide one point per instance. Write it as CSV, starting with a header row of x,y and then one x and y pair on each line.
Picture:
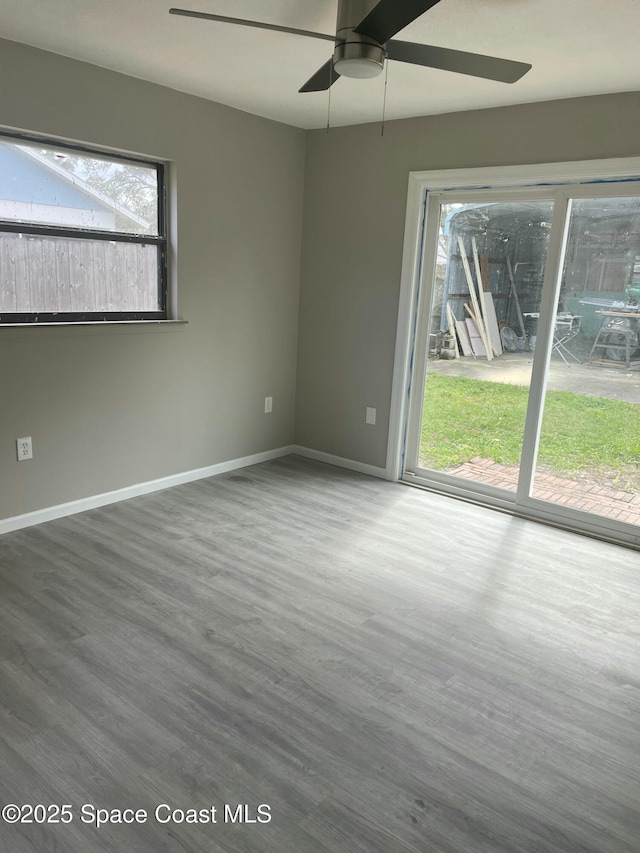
x,y
53,274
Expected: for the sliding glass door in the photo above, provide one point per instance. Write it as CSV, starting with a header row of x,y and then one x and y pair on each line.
x,y
589,450
482,327
525,384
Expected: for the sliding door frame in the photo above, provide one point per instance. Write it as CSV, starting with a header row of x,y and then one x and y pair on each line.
x,y
560,183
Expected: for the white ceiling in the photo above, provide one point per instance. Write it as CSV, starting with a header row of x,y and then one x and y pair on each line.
x,y
577,47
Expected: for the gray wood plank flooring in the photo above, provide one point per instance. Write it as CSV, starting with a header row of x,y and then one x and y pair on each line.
x,y
391,671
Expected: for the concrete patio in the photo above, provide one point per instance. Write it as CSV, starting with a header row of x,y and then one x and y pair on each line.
x,y
615,382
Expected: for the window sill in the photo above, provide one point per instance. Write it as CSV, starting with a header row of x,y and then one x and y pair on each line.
x,y
92,327
93,323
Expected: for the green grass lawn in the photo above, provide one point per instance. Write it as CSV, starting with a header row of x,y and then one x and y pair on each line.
x,y
582,436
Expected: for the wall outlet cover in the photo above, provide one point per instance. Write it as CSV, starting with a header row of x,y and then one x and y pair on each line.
x,y
24,448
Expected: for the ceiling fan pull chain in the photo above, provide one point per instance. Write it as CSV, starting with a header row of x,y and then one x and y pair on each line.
x,y
329,99
384,99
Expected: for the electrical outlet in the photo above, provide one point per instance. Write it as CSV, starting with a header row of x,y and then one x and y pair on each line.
x,y
370,417
268,405
24,448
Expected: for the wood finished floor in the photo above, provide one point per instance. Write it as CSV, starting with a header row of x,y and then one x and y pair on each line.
x,y
391,671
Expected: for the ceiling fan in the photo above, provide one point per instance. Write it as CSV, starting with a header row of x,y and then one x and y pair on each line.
x,y
364,40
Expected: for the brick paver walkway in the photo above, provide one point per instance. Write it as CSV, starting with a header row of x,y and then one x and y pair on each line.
x,y
559,490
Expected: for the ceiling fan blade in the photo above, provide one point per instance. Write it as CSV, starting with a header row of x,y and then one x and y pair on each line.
x,y
244,23
473,64
322,80
388,17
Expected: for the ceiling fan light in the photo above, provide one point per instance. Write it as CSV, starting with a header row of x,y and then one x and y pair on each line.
x,y
360,69
358,60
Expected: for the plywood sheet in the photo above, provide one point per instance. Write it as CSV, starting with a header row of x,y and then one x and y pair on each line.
x,y
465,341
474,336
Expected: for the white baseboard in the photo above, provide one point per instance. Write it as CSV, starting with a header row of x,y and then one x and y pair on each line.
x,y
17,522
29,519
330,459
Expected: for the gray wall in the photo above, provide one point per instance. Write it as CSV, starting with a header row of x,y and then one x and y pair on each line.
x,y
113,407
354,212
110,407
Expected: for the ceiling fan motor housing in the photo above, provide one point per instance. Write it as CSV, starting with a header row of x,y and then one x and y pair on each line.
x,y
356,55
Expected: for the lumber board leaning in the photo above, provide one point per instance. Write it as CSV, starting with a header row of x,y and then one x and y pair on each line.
x,y
470,312
484,272
492,324
484,337
482,293
515,296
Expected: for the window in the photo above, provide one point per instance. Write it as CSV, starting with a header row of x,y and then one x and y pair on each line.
x,y
82,235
